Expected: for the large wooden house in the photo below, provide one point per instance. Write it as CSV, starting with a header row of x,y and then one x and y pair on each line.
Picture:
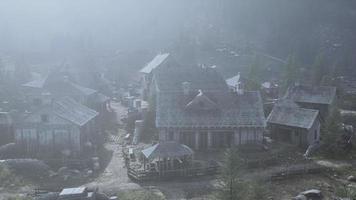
x,y
195,106
43,91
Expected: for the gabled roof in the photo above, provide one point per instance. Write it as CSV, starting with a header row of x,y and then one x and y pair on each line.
x,y
73,111
201,102
311,94
233,81
293,116
154,63
167,149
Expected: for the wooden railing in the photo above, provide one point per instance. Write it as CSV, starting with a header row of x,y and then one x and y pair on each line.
x,y
144,175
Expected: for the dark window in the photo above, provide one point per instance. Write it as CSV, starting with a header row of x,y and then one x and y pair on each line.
x,y
44,118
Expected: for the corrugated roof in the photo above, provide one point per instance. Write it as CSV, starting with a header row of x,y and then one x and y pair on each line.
x,y
73,111
167,149
311,94
154,63
293,116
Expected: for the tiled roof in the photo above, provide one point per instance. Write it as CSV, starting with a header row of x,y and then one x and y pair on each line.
x,y
311,94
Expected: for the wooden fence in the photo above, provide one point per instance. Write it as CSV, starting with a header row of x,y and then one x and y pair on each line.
x,y
144,175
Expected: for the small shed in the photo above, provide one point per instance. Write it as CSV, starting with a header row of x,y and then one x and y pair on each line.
x,y
292,124
165,156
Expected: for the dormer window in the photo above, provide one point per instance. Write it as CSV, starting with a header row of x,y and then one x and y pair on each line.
x,y
201,102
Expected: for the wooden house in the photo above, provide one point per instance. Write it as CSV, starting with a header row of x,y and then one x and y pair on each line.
x,y
319,98
43,91
146,73
63,127
289,123
194,106
52,86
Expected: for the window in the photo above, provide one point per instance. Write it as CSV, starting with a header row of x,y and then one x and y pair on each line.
x,y
44,118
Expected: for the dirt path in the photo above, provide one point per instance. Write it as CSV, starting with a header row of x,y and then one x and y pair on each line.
x,y
114,177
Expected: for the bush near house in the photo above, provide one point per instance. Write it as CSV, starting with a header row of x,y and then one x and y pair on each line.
x,y
7,178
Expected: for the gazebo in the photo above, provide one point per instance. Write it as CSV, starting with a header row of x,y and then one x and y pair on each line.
x,y
167,158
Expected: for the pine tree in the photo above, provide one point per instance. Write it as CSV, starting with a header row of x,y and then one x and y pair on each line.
x,y
254,75
331,131
290,72
318,69
231,182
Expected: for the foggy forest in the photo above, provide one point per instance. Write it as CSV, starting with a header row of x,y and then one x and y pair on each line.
x,y
177,99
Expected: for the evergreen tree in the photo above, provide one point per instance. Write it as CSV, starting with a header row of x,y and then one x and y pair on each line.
x,y
231,182
330,131
254,75
290,72
318,70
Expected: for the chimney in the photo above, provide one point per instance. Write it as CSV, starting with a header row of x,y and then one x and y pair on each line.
x,y
186,88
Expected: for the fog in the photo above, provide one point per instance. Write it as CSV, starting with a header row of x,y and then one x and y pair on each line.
x,y
177,99
33,25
